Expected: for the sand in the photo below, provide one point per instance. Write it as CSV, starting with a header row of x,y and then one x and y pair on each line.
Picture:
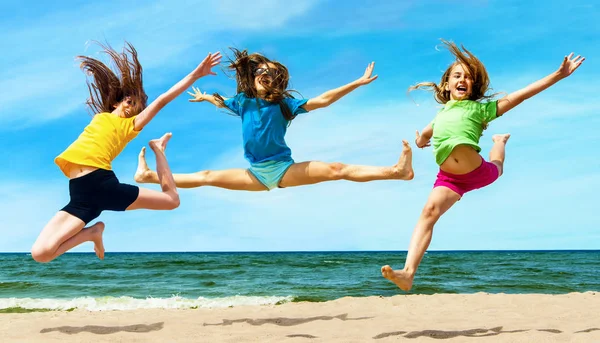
x,y
478,317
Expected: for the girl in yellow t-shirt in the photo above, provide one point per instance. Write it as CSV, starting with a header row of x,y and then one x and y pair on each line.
x,y
121,113
456,131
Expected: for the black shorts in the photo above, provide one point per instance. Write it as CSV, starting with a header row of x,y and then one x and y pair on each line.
x,y
99,191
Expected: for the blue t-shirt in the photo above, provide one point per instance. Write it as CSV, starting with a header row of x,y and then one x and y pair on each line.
x,y
264,128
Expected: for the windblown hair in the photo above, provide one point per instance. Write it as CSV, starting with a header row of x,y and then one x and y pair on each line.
x,y
108,89
244,65
475,68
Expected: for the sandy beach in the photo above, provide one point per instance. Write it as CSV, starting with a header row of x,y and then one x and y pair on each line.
x,y
481,317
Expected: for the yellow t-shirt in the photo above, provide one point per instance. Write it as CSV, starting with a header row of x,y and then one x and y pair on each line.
x,y
100,142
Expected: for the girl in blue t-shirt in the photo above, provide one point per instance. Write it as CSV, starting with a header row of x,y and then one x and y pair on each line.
x,y
456,131
266,108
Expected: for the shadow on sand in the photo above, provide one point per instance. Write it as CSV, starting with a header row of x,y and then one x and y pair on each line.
x,y
106,330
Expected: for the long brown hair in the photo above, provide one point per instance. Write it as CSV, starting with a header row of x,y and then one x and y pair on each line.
x,y
244,65
106,88
481,80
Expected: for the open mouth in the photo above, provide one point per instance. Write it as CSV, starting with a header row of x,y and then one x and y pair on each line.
x,y
461,89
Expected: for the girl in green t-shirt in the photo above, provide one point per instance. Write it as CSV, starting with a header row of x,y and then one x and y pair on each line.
x,y
456,131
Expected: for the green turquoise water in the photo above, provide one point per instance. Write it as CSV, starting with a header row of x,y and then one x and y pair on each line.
x,y
190,280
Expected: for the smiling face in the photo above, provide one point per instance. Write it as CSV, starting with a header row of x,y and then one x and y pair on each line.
x,y
460,83
125,108
264,75
465,79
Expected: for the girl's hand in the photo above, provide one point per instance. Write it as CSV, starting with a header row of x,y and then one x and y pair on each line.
x,y
366,78
204,68
198,95
418,140
569,65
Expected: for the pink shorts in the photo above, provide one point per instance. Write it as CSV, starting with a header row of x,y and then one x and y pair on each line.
x,y
484,175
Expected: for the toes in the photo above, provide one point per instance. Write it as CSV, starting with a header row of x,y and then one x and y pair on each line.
x,y
99,252
167,136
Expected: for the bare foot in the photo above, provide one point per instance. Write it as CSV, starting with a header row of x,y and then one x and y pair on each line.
x,y
161,143
96,231
143,174
403,169
401,278
501,138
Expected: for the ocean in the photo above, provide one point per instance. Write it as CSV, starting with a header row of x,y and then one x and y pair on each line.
x,y
192,280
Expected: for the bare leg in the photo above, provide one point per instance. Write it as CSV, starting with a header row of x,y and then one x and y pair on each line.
x,y
64,232
440,200
498,152
234,179
89,234
307,173
168,199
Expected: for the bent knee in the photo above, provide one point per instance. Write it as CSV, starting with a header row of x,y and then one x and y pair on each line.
x,y
174,202
41,254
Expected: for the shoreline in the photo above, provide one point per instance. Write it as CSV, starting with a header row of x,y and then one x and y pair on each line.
x,y
488,317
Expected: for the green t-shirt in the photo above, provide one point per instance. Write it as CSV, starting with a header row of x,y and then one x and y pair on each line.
x,y
460,122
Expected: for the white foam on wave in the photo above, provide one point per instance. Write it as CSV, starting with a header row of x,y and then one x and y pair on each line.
x,y
129,303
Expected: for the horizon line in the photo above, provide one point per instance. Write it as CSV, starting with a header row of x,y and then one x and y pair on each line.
x,y
318,251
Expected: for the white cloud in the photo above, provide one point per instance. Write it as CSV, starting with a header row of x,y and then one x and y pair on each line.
x,y
44,80
537,204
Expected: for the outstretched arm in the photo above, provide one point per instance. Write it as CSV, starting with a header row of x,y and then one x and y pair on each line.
x,y
424,137
334,95
199,97
567,67
203,69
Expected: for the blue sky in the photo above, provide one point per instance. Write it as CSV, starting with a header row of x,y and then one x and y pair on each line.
x,y
547,198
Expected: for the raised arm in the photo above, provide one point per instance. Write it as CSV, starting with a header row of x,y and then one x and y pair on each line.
x,y
424,137
334,95
199,97
203,69
567,67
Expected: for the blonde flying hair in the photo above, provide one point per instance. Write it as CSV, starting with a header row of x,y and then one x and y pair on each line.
x,y
476,69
